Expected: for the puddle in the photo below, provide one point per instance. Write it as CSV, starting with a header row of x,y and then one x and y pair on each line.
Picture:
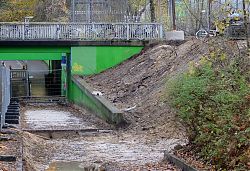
x,y
52,119
65,166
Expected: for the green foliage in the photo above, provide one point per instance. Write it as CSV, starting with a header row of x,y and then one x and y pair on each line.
x,y
213,100
16,10
3,3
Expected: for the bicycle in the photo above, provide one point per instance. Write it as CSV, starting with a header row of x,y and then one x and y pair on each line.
x,y
108,32
69,32
142,32
3,33
10,32
202,34
30,33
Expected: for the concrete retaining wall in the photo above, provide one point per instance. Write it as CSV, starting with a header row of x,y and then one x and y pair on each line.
x,y
82,94
178,162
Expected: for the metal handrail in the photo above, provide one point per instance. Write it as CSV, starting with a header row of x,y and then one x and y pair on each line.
x,y
80,31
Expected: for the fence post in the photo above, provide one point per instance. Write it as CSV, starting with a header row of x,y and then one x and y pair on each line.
x,y
161,31
128,32
23,31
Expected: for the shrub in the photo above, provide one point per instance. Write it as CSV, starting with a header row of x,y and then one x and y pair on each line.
x,y
213,100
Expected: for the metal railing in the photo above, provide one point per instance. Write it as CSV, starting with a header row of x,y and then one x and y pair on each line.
x,y
19,79
81,31
5,93
36,83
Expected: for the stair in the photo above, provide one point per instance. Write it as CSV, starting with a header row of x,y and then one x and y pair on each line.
x,y
13,113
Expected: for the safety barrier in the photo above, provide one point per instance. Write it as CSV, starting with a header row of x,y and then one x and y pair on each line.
x,y
81,31
4,92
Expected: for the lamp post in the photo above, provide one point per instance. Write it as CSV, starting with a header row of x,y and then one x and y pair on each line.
x,y
26,25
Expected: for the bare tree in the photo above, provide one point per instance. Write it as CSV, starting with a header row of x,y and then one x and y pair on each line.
x,y
152,10
51,10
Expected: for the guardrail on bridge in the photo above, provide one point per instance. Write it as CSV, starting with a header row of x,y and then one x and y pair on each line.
x,y
81,31
4,93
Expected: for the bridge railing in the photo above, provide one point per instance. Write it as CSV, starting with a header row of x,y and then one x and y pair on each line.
x,y
81,31
4,93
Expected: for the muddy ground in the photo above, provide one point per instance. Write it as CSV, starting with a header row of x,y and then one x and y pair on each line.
x,y
109,149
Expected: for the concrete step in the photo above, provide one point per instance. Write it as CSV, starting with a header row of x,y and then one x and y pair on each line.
x,y
13,110
12,113
11,117
14,99
14,103
12,121
13,107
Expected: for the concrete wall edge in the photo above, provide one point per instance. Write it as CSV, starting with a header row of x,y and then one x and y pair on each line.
x,y
113,111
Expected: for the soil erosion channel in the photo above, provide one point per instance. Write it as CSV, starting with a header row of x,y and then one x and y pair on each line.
x,y
59,138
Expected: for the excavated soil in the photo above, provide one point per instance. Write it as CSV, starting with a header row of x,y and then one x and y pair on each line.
x,y
137,86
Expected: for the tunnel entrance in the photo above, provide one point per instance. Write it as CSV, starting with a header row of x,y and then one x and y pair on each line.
x,y
36,79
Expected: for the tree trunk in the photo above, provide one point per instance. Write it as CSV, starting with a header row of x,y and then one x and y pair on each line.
x,y
152,10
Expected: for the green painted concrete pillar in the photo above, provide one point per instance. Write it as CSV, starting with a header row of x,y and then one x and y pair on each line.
x,y
64,75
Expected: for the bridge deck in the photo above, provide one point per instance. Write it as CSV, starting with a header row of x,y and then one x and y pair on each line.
x,y
80,31
59,43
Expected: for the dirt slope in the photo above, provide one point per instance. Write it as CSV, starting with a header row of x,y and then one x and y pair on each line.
x,y
139,84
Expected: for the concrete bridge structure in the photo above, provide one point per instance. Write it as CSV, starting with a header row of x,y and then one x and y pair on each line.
x,y
92,47
72,49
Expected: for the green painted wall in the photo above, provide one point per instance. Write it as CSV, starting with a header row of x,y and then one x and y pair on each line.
x,y
82,97
86,60
111,56
32,53
83,60
78,97
92,60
